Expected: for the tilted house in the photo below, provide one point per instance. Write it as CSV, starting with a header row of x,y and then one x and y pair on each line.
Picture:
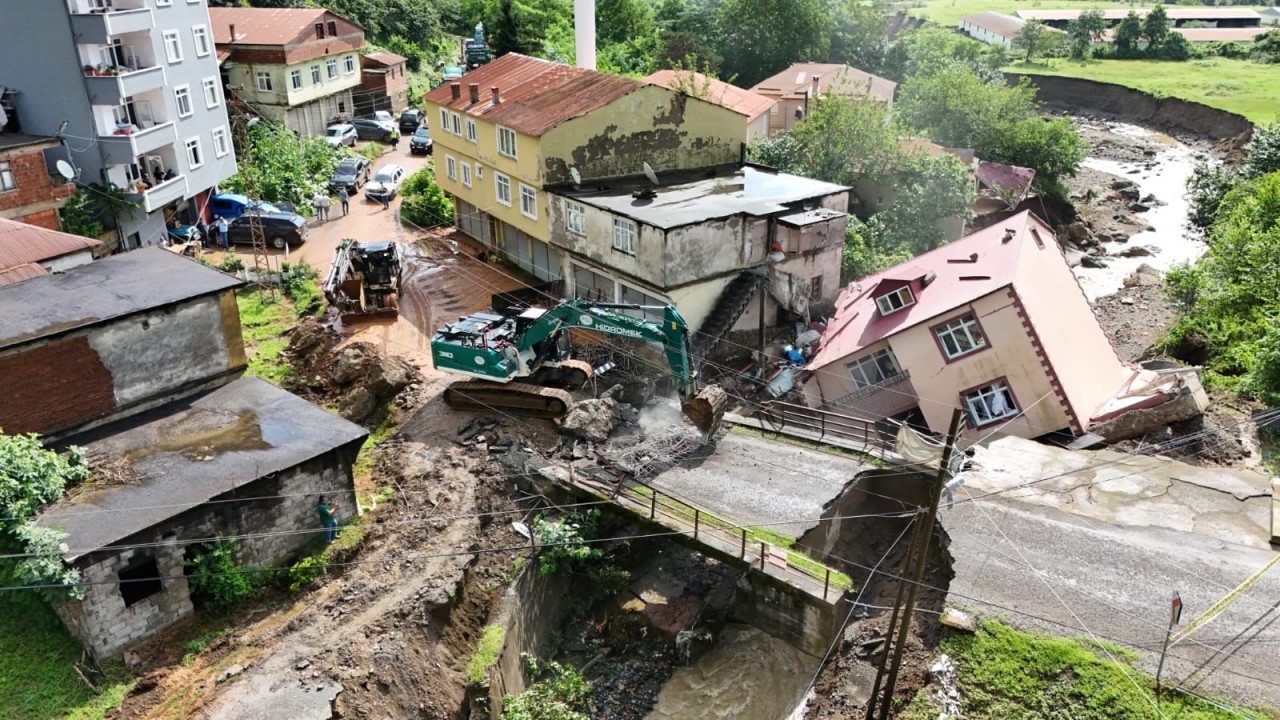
x,y
802,83
383,83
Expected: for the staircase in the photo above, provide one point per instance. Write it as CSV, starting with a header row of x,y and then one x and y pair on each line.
x,y
729,307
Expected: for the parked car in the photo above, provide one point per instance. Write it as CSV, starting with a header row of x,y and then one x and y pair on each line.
x,y
367,129
233,205
411,120
384,116
385,182
342,135
352,172
279,228
420,143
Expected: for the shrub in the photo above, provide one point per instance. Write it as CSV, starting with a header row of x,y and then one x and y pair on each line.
x,y
216,579
423,203
300,282
305,571
566,549
564,695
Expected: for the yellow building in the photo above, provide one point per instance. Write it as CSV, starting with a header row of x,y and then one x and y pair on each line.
x,y
517,126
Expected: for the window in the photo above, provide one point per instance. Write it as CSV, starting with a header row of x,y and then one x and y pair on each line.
x,y
315,74
466,174
201,35
471,130
624,235
195,156
172,46
506,142
815,288
182,94
502,185
528,202
457,124
654,306
444,120
349,64
320,30
333,28
164,3
332,66
264,82
894,301
210,85
575,218
989,404
141,579
220,145
874,369
295,79
7,182
960,337
591,285
450,167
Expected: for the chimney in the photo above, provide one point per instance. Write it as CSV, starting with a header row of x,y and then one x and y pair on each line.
x,y
584,33
814,91
475,92
496,97
233,32
455,90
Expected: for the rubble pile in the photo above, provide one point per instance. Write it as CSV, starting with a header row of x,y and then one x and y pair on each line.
x,y
655,452
357,379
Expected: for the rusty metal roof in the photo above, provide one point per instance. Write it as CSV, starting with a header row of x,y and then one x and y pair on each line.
x,y
383,57
796,80
21,272
264,26
534,95
21,244
743,102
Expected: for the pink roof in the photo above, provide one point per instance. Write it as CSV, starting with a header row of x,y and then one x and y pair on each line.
x,y
963,271
797,81
1010,178
19,273
743,102
21,243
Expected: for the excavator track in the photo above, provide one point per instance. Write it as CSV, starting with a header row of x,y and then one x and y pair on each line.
x,y
516,398
566,375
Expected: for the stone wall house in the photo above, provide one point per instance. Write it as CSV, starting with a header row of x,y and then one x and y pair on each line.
x,y
246,460
29,192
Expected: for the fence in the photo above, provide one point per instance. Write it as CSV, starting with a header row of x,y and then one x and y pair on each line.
x,y
824,425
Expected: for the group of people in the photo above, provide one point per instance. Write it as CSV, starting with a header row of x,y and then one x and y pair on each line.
x,y
321,203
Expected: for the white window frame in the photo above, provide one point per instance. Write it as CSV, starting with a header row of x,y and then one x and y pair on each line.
x,y
8,182
980,404
349,64
624,235
502,188
316,78
221,142
457,123
450,167
471,131
444,120
164,3
869,369
331,68
507,136
262,86
295,79
528,202
575,218
172,45
964,334
197,160
182,93
466,173
200,34
899,299
212,99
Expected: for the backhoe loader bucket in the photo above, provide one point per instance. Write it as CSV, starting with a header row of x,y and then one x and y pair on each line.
x,y
706,409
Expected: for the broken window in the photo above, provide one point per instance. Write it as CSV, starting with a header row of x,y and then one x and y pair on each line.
x,y
989,404
140,580
960,336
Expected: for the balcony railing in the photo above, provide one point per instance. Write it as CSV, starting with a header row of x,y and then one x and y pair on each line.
x,y
112,89
98,27
124,149
156,197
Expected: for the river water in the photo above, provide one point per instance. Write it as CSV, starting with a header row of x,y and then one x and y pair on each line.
x,y
748,675
1171,241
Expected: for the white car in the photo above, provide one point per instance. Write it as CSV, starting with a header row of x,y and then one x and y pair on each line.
x,y
385,182
340,135
383,116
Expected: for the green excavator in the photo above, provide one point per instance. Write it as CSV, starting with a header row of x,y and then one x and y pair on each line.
x,y
521,361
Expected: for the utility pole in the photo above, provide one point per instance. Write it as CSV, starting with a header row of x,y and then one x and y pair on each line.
x,y
261,260
919,555
1175,614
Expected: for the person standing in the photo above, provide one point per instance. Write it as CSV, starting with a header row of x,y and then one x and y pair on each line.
x,y
324,206
203,230
315,203
345,199
395,139
385,199
222,233
328,511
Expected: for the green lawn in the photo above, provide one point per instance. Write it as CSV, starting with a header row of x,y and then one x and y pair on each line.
x,y
949,12
38,680
262,323
1239,86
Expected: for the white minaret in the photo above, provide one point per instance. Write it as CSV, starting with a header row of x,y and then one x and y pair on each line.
x,y
584,33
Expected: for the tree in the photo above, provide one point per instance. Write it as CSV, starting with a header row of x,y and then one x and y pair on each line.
x,y
1155,28
281,166
928,191
517,26
1209,184
842,140
858,33
1052,147
619,21
78,218
424,203
1128,33
1031,38
761,37
1084,31
30,478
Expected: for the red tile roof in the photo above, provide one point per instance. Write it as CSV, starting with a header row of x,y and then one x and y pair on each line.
x,y
842,79
383,57
535,95
263,26
963,271
21,244
743,102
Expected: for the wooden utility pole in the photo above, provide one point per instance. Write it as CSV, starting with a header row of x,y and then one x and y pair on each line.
x,y
920,550
261,260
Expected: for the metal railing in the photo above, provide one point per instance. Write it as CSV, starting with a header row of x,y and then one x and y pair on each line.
x,y
901,377
871,435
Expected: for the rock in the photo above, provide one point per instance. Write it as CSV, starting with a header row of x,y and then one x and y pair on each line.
x,y
1121,184
1078,233
1130,193
1120,237
1103,237
358,404
1149,152
229,673
388,375
592,420
1093,261
350,363
1138,207
302,664
1126,300
1150,199
958,619
1136,251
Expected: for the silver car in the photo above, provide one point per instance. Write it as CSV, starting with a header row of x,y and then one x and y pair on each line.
x,y
341,135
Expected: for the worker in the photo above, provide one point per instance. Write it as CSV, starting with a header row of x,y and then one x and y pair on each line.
x,y
222,233
345,199
395,138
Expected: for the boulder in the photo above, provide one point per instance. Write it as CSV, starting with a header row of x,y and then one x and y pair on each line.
x,y
1121,184
1138,207
1078,233
350,363
1104,237
1120,237
358,404
1130,193
1136,251
1093,261
388,375
591,420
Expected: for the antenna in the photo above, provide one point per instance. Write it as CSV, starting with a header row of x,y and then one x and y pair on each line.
x,y
649,173
577,177
65,169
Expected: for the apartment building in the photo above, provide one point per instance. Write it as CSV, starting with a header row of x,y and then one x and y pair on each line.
x,y
132,88
297,66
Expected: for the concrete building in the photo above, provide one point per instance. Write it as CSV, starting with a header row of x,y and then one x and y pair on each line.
x,y
300,66
992,27
796,86
994,323
383,84
29,251
113,338
703,242
136,84
1204,17
1269,16
754,108
522,124
31,189
245,460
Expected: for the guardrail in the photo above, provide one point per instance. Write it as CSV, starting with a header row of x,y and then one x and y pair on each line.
x,y
876,438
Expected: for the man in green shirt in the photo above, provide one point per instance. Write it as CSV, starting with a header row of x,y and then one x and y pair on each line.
x,y
328,511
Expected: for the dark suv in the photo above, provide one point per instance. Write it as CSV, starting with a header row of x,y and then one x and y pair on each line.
x,y
351,173
279,228
420,142
410,120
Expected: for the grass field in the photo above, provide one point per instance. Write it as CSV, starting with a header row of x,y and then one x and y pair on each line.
x,y
949,12
1238,86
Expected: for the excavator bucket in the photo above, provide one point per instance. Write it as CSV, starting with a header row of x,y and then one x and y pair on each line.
x,y
706,409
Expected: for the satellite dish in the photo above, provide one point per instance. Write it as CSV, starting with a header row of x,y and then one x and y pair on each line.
x,y
65,170
649,173
577,176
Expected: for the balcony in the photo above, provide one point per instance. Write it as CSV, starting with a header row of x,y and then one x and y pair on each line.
x,y
154,198
888,397
113,89
123,149
99,27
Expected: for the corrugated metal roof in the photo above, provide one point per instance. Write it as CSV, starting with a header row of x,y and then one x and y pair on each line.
x,y
386,58
19,273
743,102
1198,13
263,26
796,80
1006,26
535,95
21,243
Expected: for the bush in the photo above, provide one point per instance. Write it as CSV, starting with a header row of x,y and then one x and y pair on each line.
x,y
300,281
564,695
216,579
566,549
305,571
423,203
